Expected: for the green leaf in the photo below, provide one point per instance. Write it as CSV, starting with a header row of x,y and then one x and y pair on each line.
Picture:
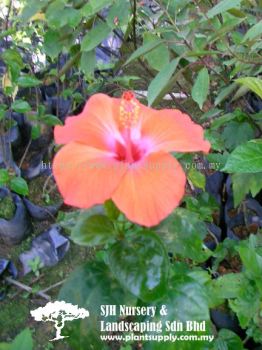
x,y
120,10
52,44
72,17
204,205
28,81
95,36
246,305
201,87
161,80
245,183
88,62
35,131
11,56
93,230
91,286
236,133
158,58
197,178
19,185
5,346
253,84
224,119
183,234
31,8
141,266
111,210
253,32
23,341
252,261
228,286
20,106
94,6
186,300
51,120
144,49
245,158
217,160
54,14
228,340
4,176
224,93
223,6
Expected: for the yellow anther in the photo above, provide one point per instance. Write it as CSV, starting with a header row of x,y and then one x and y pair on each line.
x,y
129,110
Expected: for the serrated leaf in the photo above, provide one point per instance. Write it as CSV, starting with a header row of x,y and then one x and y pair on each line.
x,y
228,286
140,265
91,286
201,87
223,6
183,234
252,261
245,158
245,183
186,300
228,340
93,230
252,83
23,341
237,133
161,80
95,36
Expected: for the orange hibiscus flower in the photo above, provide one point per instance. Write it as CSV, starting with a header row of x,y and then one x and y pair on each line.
x,y
118,148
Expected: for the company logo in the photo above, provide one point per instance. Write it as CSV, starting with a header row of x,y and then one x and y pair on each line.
x,y
59,312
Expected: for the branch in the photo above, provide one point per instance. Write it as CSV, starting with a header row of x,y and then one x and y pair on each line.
x,y
27,288
67,66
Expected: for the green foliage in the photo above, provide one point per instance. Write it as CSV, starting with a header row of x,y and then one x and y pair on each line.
x,y
246,158
158,85
140,265
23,341
201,87
95,37
95,287
93,230
212,53
183,233
19,185
254,84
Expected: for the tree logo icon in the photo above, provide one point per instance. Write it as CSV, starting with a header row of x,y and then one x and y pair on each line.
x,y
59,312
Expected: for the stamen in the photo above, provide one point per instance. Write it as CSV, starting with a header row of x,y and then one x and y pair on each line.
x,y
129,110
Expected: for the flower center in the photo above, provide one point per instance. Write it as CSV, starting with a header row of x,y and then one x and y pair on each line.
x,y
129,110
129,116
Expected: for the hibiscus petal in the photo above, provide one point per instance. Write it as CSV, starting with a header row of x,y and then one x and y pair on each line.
x,y
96,126
86,176
151,189
171,130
